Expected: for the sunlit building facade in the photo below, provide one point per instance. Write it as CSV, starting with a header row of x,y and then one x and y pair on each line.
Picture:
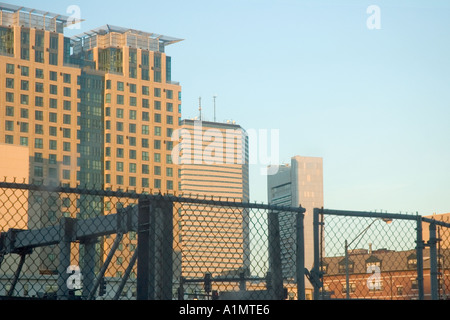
x,y
299,183
213,164
95,110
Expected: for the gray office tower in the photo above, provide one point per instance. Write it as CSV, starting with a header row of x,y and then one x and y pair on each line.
x,y
295,184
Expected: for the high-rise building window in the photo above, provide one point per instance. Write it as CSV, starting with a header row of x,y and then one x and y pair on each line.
x,y
10,68
66,146
25,44
10,111
53,76
53,58
53,103
52,131
38,129
9,97
53,144
24,127
66,118
24,85
24,71
24,113
10,83
38,143
39,87
9,125
24,99
38,171
39,73
9,139
53,89
52,117
38,115
24,141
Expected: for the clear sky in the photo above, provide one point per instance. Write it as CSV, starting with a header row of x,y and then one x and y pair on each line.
x,y
374,103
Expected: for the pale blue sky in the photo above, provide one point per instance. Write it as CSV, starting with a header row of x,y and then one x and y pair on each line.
x,y
373,103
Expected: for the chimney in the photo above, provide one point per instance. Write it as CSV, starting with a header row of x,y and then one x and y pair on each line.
x,y
370,248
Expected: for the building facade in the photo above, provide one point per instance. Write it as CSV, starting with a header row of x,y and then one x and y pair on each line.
x,y
395,279
95,110
213,163
299,183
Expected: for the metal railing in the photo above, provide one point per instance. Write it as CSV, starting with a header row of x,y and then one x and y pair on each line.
x,y
375,255
59,242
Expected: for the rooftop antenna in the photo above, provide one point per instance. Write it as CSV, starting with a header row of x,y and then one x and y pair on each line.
x,y
200,107
214,97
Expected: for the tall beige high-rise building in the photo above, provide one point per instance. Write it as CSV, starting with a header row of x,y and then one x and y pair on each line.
x,y
213,164
295,184
96,110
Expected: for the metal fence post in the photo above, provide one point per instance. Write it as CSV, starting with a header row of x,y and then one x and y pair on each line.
x,y
275,266
433,262
145,261
163,212
66,235
316,235
300,262
88,262
419,256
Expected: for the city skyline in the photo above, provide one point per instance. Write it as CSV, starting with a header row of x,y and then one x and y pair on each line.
x,y
371,103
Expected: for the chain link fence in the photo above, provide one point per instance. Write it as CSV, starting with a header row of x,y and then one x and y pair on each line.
x,y
69,243
370,255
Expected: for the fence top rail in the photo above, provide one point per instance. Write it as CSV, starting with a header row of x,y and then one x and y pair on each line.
x,y
382,215
437,222
197,199
369,214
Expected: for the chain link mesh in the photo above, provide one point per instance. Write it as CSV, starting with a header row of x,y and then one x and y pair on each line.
x,y
374,258
217,248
